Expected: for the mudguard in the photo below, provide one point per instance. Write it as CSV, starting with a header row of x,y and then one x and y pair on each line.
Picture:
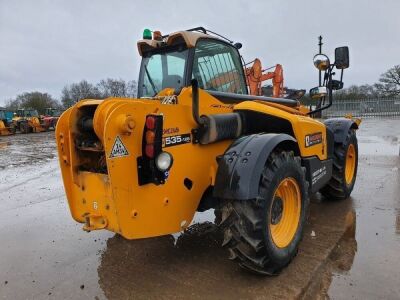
x,y
239,169
340,127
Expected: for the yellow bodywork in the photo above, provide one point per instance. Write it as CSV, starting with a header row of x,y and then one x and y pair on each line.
x,y
33,123
115,201
4,130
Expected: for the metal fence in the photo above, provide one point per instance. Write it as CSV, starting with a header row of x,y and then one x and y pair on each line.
x,y
366,108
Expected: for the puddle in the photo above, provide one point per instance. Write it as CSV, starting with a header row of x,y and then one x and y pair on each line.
x,y
340,261
374,272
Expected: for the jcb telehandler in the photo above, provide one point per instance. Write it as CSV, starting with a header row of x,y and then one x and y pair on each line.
x,y
142,167
28,121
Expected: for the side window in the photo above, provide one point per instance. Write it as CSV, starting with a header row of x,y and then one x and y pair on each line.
x,y
217,67
176,64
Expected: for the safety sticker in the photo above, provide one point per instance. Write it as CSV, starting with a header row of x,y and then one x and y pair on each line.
x,y
118,149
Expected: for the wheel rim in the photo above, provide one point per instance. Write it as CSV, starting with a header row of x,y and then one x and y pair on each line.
x,y
285,212
350,164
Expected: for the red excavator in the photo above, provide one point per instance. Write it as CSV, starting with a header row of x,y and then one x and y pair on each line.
x,y
255,75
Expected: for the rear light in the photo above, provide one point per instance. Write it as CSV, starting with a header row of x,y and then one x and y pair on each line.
x,y
164,161
149,151
154,164
152,141
150,137
150,122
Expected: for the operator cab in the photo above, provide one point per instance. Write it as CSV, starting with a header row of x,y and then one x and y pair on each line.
x,y
172,61
52,112
27,113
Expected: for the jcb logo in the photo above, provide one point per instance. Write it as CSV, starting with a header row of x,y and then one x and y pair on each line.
x,y
313,139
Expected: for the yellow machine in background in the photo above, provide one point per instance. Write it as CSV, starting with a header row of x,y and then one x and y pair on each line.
x,y
28,121
6,126
142,167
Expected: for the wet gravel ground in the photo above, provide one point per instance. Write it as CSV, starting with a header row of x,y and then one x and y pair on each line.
x,y
350,248
26,149
375,271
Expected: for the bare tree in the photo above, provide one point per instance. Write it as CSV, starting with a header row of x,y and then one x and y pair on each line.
x,y
389,82
357,92
132,89
117,88
78,91
36,100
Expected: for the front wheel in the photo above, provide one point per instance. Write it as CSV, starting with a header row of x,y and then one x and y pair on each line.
x,y
13,129
24,127
344,173
263,234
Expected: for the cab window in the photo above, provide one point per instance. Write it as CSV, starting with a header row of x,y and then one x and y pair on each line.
x,y
217,67
162,70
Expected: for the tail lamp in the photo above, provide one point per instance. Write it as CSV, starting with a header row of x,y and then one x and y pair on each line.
x,y
153,136
154,164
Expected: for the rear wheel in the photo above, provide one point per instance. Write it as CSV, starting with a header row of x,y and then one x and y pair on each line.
x,y
344,171
13,129
24,127
263,234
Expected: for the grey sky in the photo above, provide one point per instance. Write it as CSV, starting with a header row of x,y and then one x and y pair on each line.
x,y
47,44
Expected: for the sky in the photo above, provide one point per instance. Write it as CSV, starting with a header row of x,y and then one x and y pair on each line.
x,y
45,45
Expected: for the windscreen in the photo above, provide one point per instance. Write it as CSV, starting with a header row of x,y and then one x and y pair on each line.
x,y
55,113
31,113
162,70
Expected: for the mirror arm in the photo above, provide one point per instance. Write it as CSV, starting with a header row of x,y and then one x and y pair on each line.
x,y
330,93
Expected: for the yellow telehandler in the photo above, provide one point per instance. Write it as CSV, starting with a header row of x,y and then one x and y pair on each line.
x,y
142,167
27,120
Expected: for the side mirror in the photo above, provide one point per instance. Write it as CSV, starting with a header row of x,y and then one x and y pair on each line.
x,y
321,62
342,60
318,92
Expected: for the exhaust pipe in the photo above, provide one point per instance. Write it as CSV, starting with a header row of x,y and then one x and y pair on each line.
x,y
195,103
215,127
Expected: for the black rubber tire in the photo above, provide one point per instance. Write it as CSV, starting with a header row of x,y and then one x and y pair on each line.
x,y
246,222
337,188
218,216
23,127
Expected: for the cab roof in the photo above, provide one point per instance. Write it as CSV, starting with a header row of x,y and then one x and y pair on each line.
x,y
180,37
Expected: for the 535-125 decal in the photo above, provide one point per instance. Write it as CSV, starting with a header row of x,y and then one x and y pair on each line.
x,y
174,140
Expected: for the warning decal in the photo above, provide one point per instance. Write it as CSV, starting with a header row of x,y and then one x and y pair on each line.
x,y
118,149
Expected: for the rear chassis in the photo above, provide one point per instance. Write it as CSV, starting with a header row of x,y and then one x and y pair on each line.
x,y
104,192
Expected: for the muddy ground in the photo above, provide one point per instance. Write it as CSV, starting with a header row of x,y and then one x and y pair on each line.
x,y
350,248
